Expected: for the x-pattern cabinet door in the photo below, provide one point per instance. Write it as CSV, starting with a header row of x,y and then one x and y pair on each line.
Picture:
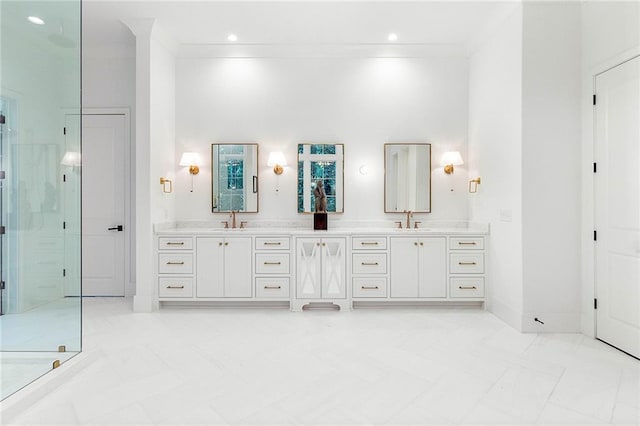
x,y
333,268
309,274
321,268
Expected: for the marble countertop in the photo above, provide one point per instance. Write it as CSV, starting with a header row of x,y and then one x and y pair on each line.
x,y
459,228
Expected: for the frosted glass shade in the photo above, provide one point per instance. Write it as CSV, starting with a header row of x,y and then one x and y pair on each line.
x,y
451,157
276,158
190,159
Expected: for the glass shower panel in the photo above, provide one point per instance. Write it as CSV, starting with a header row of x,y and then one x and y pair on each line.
x,y
40,103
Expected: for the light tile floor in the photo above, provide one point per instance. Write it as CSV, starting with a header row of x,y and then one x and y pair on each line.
x,y
428,366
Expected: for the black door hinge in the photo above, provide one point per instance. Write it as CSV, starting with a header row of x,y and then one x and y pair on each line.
x,y
594,99
595,303
595,167
2,285
3,119
3,175
2,230
595,235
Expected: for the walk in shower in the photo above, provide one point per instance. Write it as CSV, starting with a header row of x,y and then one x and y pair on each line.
x,y
40,133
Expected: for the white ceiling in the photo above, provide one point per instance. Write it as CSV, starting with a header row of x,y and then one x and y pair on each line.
x,y
295,22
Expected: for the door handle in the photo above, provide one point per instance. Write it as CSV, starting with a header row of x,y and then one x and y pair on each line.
x,y
118,228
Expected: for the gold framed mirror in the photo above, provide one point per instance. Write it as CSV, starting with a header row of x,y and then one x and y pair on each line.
x,y
407,177
320,163
234,177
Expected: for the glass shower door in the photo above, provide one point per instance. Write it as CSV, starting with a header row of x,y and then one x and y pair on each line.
x,y
40,321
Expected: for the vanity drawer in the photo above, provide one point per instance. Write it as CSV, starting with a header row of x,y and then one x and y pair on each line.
x,y
466,287
175,287
370,287
369,263
466,263
369,243
466,243
268,263
272,287
277,243
175,243
175,263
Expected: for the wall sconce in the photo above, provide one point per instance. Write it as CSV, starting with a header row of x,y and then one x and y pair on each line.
x,y
473,185
191,160
277,160
164,182
450,159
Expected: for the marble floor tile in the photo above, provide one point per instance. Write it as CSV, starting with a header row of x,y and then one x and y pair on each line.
x,y
396,367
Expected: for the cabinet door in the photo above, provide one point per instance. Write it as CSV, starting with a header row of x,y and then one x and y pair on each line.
x,y
308,283
237,267
432,267
209,267
333,268
403,267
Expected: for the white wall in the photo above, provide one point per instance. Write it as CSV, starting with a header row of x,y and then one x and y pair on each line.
x,y
361,102
108,76
610,35
550,166
108,83
163,134
495,145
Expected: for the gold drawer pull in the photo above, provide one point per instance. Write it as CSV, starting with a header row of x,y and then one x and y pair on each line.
x,y
462,243
462,287
171,243
366,287
175,286
369,263
466,263
175,263
272,287
369,243
267,243
272,263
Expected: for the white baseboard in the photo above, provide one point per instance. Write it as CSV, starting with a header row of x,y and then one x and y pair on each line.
x,y
553,322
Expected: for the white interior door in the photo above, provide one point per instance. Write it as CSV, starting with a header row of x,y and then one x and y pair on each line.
x,y
617,198
103,198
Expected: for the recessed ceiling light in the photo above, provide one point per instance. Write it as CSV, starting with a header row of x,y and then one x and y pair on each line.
x,y
232,37
35,20
392,37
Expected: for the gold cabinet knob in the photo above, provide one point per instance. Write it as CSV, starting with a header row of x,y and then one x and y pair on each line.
x,y
415,244
226,244
421,243
220,244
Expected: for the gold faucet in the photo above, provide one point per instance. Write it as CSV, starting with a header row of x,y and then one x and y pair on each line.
x,y
233,219
409,215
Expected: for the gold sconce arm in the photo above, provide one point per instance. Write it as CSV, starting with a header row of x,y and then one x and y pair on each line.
x,y
473,185
164,182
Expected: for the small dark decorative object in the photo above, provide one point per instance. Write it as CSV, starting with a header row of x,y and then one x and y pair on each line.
x,y
320,221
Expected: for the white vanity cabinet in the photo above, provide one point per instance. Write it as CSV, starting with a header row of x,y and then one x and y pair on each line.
x,y
369,269
272,267
223,267
418,267
466,267
347,268
320,271
175,267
